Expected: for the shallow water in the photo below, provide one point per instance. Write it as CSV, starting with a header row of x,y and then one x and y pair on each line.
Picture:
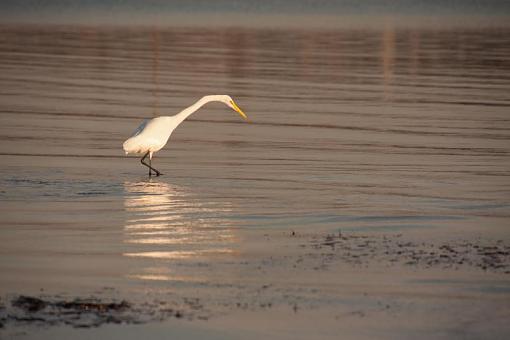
x,y
380,130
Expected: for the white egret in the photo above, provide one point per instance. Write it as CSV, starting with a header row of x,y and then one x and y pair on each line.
x,y
152,135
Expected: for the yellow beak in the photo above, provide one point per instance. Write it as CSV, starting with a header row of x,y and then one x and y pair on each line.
x,y
239,110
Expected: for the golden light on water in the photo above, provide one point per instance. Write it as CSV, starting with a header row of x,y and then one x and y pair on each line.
x,y
167,223
388,58
152,277
162,273
179,254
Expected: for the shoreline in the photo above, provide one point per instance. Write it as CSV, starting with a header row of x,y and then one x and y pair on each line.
x,y
262,22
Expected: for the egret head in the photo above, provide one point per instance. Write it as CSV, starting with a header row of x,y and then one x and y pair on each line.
x,y
230,103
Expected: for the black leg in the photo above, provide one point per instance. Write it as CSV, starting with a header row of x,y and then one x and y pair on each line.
x,y
149,166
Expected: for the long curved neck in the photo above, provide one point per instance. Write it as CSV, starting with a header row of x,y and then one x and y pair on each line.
x,y
189,110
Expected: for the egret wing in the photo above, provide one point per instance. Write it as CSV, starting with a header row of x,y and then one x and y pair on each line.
x,y
140,128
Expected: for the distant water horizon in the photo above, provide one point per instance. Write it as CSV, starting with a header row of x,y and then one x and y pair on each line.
x,y
261,13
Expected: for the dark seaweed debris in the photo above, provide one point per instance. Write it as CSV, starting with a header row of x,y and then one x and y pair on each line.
x,y
32,304
362,250
29,304
83,306
94,312
78,313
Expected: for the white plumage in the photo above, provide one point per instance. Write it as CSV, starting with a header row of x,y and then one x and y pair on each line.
x,y
153,134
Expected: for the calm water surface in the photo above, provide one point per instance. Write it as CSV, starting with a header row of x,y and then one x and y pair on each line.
x,y
406,131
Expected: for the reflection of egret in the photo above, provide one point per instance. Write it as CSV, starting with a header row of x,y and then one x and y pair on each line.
x,y
152,135
388,57
168,222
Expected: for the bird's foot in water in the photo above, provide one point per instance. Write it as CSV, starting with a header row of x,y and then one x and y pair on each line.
x,y
156,173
